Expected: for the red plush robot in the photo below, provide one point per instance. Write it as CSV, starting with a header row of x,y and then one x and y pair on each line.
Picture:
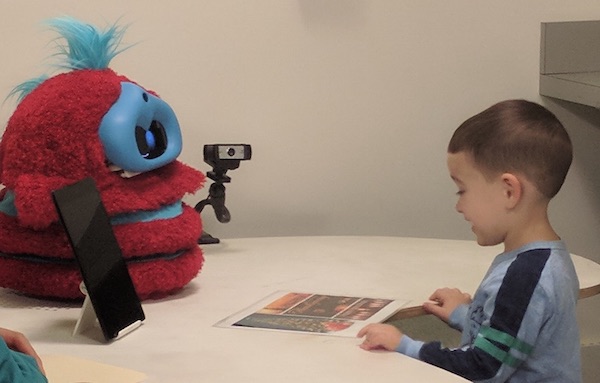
x,y
92,122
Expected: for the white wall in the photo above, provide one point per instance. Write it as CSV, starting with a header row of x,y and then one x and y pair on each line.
x,y
348,104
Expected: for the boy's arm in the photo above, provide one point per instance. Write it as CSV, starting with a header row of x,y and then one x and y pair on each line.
x,y
494,354
458,318
490,358
444,303
504,327
410,347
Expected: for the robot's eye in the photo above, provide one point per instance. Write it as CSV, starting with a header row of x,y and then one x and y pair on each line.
x,y
140,132
151,143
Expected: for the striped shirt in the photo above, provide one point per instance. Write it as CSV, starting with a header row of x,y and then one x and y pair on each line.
x,y
521,325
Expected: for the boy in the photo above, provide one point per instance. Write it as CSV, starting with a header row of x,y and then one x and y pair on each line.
x,y
508,162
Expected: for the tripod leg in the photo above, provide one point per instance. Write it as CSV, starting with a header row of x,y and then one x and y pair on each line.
x,y
207,239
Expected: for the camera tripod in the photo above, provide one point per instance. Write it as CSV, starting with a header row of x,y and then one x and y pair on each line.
x,y
216,198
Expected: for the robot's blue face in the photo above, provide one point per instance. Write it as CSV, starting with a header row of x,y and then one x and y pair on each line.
x,y
140,131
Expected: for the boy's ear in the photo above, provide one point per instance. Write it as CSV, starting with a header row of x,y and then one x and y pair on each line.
x,y
513,189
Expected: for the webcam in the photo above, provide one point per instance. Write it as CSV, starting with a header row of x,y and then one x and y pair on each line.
x,y
222,157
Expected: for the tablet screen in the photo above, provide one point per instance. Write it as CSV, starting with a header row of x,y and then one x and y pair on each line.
x,y
100,260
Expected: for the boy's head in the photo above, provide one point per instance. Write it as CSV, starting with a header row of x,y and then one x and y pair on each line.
x,y
517,136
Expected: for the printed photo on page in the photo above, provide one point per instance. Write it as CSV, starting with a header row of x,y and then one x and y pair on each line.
x,y
314,313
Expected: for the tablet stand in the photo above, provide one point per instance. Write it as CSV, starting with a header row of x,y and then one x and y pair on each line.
x,y
88,319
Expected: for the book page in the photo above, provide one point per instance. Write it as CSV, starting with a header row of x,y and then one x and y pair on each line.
x,y
336,315
69,369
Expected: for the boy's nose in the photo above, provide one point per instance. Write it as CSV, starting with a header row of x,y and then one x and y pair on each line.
x,y
458,208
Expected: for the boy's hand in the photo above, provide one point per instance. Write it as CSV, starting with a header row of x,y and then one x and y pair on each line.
x,y
444,301
380,336
18,342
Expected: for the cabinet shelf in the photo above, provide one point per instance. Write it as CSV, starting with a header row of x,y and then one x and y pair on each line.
x,y
570,61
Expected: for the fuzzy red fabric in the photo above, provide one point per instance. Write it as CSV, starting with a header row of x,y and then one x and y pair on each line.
x,y
165,236
154,279
51,141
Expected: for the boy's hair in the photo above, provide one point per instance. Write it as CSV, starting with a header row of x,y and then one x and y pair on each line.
x,y
517,136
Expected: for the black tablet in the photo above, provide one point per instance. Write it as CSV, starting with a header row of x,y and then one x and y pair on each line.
x,y
105,275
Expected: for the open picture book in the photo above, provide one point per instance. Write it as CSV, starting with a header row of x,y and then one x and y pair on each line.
x,y
337,315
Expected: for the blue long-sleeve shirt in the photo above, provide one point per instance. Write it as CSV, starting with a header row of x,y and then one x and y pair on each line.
x,y
521,325
16,367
